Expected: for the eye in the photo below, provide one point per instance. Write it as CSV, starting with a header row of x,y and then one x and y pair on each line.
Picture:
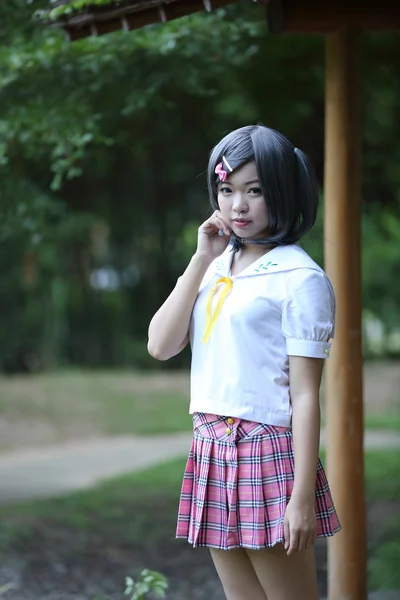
x,y
224,190
255,191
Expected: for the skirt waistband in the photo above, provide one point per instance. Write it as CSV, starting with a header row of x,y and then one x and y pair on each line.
x,y
233,429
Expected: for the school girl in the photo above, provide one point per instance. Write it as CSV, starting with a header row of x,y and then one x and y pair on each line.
x,y
259,314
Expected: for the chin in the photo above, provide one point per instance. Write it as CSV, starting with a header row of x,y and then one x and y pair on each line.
x,y
254,236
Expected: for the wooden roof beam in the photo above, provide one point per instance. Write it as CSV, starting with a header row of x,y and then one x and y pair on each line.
x,y
316,16
100,20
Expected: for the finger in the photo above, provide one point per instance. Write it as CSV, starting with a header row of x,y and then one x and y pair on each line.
x,y
294,541
213,225
312,538
220,223
286,534
226,224
302,543
217,215
307,541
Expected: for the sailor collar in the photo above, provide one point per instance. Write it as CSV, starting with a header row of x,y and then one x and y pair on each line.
x,y
280,258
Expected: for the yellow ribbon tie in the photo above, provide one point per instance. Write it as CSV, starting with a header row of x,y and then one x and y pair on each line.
x,y
211,319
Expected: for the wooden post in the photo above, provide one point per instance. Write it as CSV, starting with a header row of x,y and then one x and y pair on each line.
x,y
346,550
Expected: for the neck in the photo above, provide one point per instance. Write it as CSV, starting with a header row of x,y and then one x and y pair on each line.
x,y
253,250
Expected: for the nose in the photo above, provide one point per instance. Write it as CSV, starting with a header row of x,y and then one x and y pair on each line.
x,y
239,205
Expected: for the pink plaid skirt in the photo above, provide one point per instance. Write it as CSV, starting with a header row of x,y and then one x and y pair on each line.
x,y
238,480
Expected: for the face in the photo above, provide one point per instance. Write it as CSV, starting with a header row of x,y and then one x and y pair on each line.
x,y
242,204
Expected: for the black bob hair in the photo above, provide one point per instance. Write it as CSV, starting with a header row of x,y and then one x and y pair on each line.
x,y
287,179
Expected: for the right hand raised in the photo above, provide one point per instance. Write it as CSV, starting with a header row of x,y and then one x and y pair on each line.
x,y
209,242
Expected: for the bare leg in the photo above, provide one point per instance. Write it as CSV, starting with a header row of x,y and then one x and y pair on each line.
x,y
237,575
285,577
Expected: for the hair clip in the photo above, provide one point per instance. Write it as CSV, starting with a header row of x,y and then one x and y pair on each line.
x,y
221,172
227,164
219,169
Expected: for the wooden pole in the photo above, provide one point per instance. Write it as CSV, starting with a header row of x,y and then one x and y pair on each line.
x,y
346,550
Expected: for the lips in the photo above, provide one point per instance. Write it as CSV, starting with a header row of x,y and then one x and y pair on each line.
x,y
241,222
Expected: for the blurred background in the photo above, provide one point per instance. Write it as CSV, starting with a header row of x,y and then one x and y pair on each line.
x,y
104,144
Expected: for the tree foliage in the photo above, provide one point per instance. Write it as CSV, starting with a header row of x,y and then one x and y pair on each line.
x,y
103,148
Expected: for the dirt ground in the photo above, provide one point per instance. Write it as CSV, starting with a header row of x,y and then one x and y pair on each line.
x,y
57,563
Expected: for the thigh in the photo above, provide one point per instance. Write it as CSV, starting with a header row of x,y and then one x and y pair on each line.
x,y
237,575
286,577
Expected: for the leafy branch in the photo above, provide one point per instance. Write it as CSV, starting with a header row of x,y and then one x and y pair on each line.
x,y
149,582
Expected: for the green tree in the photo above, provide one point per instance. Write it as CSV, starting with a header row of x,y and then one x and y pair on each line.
x,y
112,134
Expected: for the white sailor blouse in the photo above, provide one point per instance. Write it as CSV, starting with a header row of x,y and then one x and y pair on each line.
x,y
244,328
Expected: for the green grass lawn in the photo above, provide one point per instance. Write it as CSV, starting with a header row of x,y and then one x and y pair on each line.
x,y
70,405
122,507
387,420
384,572
54,407
142,506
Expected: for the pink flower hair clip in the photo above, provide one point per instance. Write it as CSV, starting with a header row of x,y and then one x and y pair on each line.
x,y
219,169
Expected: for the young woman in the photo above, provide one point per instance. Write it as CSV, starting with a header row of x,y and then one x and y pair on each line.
x,y
259,314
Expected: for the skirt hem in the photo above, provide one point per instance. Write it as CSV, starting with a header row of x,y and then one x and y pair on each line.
x,y
247,546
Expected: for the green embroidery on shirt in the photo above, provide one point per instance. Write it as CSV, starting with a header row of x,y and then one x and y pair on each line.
x,y
219,265
265,266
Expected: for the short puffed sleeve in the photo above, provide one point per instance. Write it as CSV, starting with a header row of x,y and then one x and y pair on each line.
x,y
308,315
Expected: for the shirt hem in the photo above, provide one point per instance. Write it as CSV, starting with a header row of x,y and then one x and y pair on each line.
x,y
264,417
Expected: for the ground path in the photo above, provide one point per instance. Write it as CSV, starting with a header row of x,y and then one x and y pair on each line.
x,y
56,470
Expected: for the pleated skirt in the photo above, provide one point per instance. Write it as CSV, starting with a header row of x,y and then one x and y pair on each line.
x,y
237,483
